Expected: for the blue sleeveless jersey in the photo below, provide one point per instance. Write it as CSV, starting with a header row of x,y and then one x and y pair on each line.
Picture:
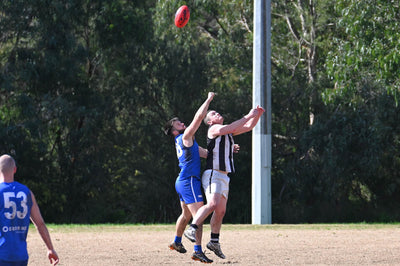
x,y
189,159
15,211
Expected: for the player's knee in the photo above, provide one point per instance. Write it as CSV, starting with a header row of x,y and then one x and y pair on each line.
x,y
220,212
212,205
186,216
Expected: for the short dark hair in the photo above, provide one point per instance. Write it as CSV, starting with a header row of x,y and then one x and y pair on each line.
x,y
206,118
169,125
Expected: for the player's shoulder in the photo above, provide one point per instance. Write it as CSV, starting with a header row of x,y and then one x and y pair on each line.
x,y
178,137
215,131
13,186
20,185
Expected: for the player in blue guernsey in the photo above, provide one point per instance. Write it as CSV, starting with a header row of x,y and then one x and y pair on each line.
x,y
215,179
189,161
188,182
17,206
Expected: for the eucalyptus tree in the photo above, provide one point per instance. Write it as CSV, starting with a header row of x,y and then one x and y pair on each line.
x,y
364,64
69,69
40,57
366,47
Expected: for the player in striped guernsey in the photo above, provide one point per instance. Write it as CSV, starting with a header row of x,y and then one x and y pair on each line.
x,y
215,179
221,149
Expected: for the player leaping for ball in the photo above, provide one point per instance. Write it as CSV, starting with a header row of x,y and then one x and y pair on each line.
x,y
215,180
188,183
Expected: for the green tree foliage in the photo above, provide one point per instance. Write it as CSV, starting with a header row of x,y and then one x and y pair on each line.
x,y
327,168
86,86
221,31
366,46
363,63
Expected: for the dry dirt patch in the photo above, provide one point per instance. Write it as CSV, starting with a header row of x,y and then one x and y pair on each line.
x,y
242,245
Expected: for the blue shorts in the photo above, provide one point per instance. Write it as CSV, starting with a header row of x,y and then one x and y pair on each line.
x,y
13,263
189,190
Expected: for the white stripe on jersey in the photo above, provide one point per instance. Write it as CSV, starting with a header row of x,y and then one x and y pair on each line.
x,y
220,153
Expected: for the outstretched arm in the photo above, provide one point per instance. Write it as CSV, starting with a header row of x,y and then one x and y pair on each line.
x,y
195,124
232,128
251,123
37,219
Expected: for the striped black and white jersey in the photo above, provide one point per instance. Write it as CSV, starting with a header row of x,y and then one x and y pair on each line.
x,y
220,153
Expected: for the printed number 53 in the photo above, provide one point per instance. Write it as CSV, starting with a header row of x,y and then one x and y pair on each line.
x,y
9,202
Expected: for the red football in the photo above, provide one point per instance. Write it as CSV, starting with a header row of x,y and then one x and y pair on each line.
x,y
182,16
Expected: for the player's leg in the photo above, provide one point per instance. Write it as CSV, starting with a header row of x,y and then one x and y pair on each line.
x,y
222,181
212,203
180,226
216,223
217,218
196,202
193,197
194,208
210,188
213,197
183,218
201,214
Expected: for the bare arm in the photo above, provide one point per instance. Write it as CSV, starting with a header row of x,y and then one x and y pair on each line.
x,y
232,128
195,124
251,123
37,219
203,152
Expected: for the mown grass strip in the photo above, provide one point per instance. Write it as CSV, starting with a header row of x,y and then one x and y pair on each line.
x,y
234,227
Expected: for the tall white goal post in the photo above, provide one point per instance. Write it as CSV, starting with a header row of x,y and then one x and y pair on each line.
x,y
261,146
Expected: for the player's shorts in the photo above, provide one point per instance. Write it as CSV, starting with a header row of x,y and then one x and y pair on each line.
x,y
215,182
13,263
189,190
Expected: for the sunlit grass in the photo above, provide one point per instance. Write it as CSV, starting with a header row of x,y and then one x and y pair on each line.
x,y
231,227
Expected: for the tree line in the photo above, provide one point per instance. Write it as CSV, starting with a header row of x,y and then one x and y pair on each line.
x,y
86,86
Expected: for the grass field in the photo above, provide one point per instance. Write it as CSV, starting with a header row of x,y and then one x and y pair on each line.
x,y
314,244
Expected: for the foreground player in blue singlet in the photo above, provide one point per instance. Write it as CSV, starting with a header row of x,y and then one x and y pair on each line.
x,y
17,206
188,182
